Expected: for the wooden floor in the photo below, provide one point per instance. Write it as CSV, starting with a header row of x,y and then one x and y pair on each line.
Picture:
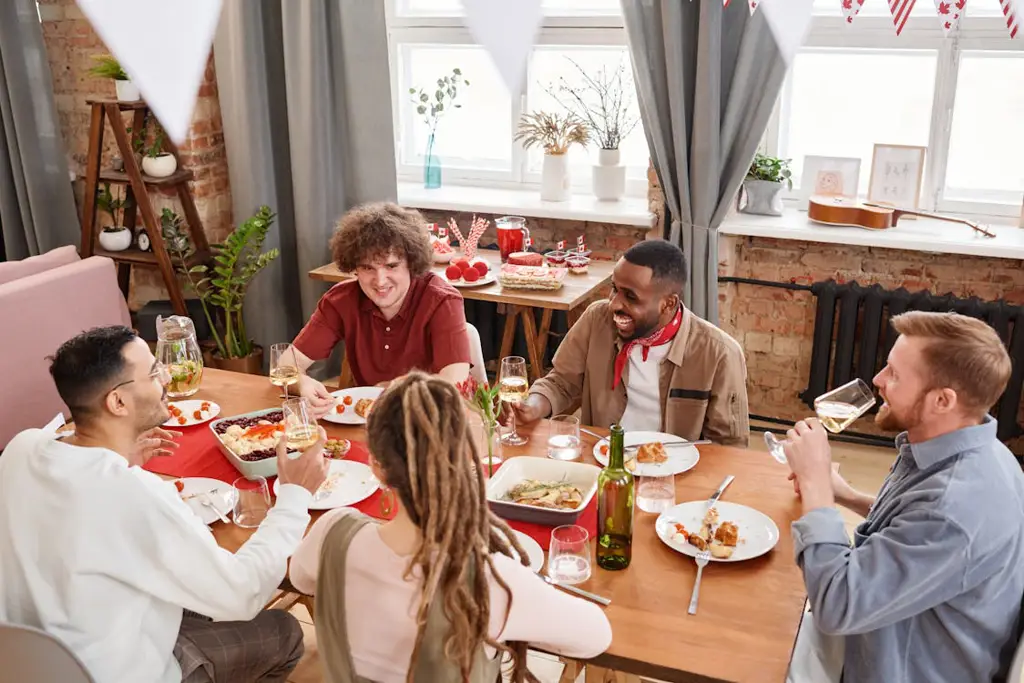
x,y
864,467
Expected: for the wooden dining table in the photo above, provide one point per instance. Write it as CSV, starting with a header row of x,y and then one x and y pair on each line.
x,y
576,292
749,611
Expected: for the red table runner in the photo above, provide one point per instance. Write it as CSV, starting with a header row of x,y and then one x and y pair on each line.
x,y
198,455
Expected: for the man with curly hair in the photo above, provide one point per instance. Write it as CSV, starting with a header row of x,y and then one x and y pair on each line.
x,y
395,316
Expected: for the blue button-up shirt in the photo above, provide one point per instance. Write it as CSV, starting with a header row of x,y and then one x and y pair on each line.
x,y
931,589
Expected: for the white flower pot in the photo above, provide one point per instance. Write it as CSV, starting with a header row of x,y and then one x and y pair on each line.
x,y
116,241
554,180
609,176
764,197
159,167
127,91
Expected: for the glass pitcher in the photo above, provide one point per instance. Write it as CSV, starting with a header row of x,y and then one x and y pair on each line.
x,y
178,349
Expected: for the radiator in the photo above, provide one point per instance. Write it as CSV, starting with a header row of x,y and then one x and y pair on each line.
x,y
852,337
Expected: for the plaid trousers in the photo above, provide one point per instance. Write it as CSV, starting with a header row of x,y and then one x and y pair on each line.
x,y
263,650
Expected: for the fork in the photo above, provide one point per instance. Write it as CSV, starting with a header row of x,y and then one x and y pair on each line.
x,y
204,499
702,561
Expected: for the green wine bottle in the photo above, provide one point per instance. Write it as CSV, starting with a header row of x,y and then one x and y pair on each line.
x,y
615,494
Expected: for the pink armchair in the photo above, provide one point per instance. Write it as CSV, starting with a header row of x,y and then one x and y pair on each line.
x,y
44,301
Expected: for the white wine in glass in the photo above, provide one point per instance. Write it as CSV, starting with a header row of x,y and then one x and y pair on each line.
x,y
837,410
300,430
284,370
513,388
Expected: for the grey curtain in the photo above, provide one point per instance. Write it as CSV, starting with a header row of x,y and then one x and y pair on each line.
x,y
305,96
37,204
707,78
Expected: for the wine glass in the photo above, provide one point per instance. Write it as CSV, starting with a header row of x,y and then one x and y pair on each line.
x,y
513,389
300,428
284,369
837,410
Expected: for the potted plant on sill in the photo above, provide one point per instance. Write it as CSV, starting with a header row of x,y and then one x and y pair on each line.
x,y
113,237
107,66
606,102
222,288
156,161
432,106
763,185
556,133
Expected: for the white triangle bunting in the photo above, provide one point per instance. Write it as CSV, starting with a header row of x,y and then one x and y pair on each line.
x,y
950,12
851,8
507,31
901,10
163,46
788,21
1013,12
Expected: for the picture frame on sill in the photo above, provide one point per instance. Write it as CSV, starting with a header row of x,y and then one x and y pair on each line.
x,y
897,172
828,177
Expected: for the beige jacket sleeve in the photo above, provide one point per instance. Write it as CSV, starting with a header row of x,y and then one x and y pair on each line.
x,y
563,386
727,421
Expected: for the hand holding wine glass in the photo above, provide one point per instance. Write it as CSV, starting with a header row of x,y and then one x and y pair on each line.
x,y
513,389
837,410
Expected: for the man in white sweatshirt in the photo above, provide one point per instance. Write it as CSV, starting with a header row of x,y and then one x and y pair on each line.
x,y
106,556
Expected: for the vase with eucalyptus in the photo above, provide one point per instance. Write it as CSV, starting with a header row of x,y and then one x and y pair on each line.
x,y
483,402
432,106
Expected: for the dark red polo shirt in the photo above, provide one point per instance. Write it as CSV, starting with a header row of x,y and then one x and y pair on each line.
x,y
429,332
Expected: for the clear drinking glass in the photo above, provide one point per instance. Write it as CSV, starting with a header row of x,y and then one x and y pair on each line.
x,y
837,410
300,429
514,388
656,493
564,437
284,368
569,555
252,501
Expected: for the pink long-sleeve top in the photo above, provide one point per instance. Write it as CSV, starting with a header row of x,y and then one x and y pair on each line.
x,y
381,605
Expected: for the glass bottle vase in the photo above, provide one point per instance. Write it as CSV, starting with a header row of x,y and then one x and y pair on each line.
x,y
431,167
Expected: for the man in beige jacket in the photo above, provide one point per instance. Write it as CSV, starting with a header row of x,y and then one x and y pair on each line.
x,y
643,360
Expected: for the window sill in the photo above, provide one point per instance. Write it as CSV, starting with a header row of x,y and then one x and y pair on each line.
x,y
627,211
922,234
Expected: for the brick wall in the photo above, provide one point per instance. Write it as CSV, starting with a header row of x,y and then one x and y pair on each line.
x,y
70,44
775,326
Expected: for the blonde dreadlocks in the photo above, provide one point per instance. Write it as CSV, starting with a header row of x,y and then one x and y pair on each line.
x,y
419,434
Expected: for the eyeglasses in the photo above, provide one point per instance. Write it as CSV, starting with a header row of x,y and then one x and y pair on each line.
x,y
160,372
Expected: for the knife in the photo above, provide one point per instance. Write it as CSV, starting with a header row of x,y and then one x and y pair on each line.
x,y
721,489
578,591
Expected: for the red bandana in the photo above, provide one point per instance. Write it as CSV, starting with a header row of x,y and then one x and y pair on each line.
x,y
662,336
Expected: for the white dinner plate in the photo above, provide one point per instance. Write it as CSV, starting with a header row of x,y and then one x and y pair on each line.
x,y
485,280
348,482
219,493
188,409
680,458
349,417
758,533
533,551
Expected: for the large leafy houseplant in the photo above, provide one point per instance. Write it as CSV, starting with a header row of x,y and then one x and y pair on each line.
x,y
222,287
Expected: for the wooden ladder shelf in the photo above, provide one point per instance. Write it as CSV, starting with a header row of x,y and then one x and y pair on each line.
x,y
138,198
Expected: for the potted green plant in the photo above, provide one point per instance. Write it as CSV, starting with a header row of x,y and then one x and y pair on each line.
x,y
222,287
432,106
763,185
107,66
114,236
156,161
605,100
555,133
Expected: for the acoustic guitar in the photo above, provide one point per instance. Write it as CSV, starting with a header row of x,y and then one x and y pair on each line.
x,y
847,212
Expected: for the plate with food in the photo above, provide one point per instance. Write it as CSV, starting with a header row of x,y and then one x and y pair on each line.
x,y
533,551
218,494
337,449
464,273
353,405
191,413
542,490
732,532
655,455
348,482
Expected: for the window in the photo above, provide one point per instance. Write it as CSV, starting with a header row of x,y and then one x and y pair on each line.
x,y
854,85
474,142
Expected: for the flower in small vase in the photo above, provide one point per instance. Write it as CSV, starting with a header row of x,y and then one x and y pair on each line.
x,y
483,400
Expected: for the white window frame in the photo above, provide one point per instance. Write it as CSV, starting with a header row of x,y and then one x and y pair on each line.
x,y
986,32
406,30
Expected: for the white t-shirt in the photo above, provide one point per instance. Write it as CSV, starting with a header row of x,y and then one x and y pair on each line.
x,y
105,556
643,389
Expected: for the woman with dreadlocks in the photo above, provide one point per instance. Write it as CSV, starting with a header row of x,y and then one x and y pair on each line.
x,y
433,595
